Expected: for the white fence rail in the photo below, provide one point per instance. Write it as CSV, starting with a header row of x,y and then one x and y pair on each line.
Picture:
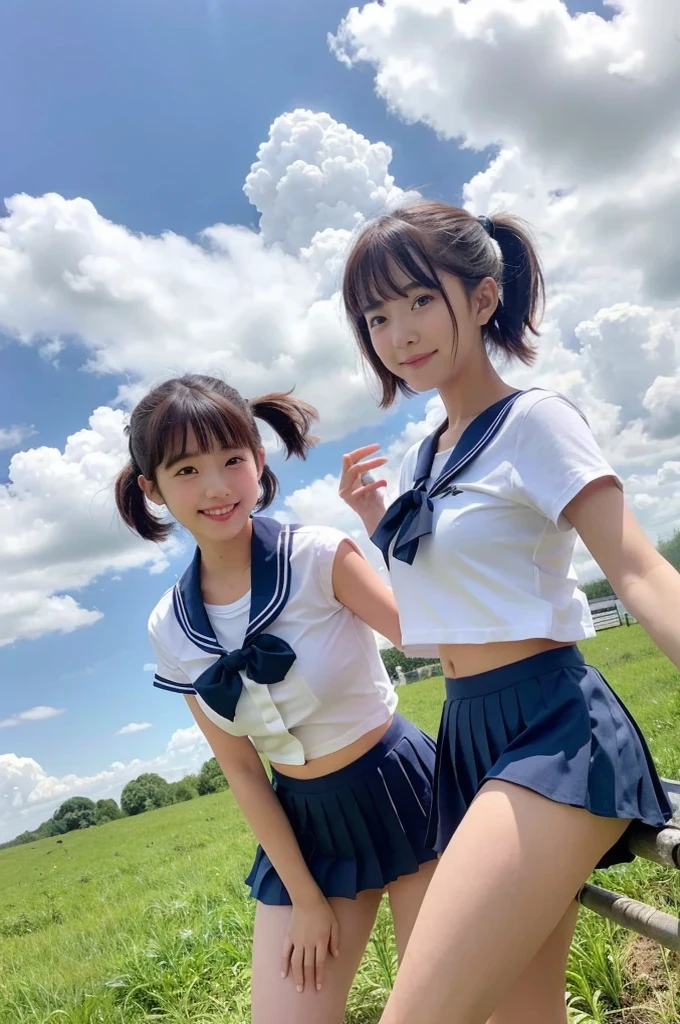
x,y
609,612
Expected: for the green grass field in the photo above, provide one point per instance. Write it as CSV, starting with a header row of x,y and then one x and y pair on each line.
x,y
147,919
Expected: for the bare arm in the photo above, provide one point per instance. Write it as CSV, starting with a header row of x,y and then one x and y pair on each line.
x,y
645,582
359,588
248,781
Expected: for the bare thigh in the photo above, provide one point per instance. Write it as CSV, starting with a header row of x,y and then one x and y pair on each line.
x,y
275,998
406,897
505,882
538,996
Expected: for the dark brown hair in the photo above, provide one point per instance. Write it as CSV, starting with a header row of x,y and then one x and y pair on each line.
x,y
218,416
427,238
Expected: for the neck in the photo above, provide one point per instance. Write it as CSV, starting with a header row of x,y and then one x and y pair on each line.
x,y
227,560
472,391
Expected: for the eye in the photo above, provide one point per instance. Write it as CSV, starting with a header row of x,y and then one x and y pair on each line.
x,y
422,301
234,460
376,321
185,471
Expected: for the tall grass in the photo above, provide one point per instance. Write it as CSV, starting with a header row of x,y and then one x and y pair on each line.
x,y
147,920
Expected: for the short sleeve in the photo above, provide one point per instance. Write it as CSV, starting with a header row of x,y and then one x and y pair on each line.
x,y
168,675
555,458
327,542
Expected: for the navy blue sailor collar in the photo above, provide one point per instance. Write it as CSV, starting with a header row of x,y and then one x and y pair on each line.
x,y
410,517
266,658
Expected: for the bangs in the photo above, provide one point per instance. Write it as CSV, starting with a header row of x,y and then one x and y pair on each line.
x,y
214,421
387,259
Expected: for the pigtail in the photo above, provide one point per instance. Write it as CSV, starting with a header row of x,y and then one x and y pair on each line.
x,y
522,288
290,419
133,507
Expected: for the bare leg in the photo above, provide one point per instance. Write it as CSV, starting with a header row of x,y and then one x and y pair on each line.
x,y
502,887
406,897
275,998
538,997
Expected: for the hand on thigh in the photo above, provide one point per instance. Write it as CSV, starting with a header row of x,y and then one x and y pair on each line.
x,y
501,888
275,998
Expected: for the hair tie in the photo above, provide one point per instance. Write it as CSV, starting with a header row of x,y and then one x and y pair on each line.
x,y
488,226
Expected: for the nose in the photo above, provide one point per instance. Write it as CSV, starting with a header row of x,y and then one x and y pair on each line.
x,y
404,332
216,485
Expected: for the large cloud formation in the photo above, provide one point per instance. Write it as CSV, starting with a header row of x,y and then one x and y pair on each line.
x,y
257,306
599,181
578,126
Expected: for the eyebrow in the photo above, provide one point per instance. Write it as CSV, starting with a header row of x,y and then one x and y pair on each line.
x,y
180,458
183,456
408,287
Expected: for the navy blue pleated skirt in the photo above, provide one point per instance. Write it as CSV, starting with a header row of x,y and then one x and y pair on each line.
x,y
550,723
361,827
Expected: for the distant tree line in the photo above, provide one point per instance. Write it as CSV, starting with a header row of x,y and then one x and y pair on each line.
x,y
145,793
394,659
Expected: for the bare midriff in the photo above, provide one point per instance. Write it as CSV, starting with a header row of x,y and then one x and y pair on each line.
x,y
461,660
318,766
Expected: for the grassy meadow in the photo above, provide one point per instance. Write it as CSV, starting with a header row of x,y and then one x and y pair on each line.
x,y
147,919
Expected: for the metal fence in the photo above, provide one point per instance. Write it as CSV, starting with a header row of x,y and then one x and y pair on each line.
x,y
609,612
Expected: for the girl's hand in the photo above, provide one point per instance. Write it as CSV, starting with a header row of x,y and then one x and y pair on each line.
x,y
365,498
312,931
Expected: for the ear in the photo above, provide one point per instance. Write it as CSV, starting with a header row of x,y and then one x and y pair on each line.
x,y
150,490
486,300
260,460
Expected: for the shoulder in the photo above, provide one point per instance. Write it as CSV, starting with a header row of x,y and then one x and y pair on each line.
x,y
549,408
314,552
162,618
313,539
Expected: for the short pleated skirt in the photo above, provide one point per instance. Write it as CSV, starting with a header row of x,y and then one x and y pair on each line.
x,y
552,724
361,827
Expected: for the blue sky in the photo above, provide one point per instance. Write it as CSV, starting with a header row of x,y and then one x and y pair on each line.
x,y
154,112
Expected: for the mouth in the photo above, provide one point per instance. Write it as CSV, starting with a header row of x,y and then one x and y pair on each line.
x,y
220,514
418,360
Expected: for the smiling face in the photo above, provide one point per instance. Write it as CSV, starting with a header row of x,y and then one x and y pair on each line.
x,y
420,289
211,493
426,336
199,453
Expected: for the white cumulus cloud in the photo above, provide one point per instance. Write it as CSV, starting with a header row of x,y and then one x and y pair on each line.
x,y
36,714
30,795
582,117
59,530
12,437
133,727
254,306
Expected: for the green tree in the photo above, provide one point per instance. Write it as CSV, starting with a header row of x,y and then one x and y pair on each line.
x,y
76,812
182,791
211,778
145,793
597,589
392,659
107,810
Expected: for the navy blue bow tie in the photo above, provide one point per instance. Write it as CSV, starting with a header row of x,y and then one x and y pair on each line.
x,y
409,518
265,658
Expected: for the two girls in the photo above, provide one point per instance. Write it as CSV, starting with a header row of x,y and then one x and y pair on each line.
x,y
268,636
540,768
